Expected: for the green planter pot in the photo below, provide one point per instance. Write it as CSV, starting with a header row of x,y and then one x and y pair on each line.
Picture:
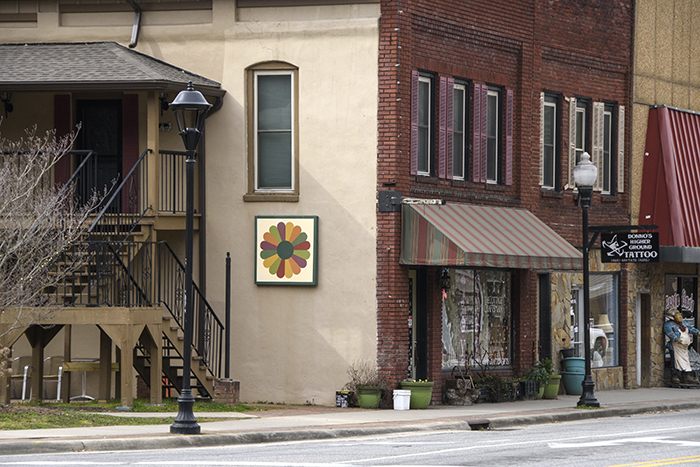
x,y
421,393
552,388
540,392
368,397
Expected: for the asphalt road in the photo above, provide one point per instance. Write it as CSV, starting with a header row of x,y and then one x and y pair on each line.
x,y
671,438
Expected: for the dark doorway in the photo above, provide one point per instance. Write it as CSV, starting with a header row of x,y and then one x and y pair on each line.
x,y
101,132
421,325
545,315
645,340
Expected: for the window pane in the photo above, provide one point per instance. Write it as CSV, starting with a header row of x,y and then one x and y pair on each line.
x,y
604,331
458,133
580,133
476,325
549,138
274,160
274,102
607,140
492,138
424,112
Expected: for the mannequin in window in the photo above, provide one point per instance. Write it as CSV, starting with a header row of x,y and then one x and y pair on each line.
x,y
679,333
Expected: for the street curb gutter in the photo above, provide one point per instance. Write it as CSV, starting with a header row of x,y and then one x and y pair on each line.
x,y
34,446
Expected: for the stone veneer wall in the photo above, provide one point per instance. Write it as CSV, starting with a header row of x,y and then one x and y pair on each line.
x,y
650,279
562,283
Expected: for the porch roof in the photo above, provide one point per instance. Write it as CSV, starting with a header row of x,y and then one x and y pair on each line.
x,y
91,66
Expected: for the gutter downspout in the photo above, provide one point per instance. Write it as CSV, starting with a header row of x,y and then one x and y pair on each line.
x,y
137,23
202,283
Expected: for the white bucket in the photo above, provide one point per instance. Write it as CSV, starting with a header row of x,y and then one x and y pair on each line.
x,y
402,399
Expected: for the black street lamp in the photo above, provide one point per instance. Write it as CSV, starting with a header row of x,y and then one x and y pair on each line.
x,y
190,109
585,174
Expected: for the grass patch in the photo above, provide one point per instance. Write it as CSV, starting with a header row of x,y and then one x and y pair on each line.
x,y
37,415
143,405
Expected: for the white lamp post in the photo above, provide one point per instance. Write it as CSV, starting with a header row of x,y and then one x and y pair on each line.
x,y
585,174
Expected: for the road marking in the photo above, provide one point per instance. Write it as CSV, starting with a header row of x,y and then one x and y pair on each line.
x,y
671,461
617,442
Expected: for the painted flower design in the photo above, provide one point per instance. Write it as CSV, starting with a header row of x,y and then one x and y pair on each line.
x,y
285,250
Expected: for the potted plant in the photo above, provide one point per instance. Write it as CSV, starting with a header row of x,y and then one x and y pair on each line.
x,y
540,376
553,379
421,392
366,384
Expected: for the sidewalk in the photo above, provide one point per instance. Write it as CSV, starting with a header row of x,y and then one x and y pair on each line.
x,y
316,422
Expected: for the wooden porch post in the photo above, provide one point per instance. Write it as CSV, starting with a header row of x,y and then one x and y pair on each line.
x,y
105,387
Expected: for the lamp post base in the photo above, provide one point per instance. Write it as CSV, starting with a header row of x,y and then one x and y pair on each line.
x,y
185,423
588,397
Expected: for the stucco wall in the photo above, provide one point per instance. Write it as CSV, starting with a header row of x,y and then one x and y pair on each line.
x,y
289,343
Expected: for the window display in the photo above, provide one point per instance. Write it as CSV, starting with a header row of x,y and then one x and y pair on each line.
x,y
476,318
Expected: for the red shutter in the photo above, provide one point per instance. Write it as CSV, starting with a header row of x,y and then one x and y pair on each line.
x,y
130,143
476,129
509,137
450,127
442,129
414,122
484,130
62,123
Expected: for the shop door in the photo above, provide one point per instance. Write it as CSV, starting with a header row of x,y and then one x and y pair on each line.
x,y
418,331
101,132
645,341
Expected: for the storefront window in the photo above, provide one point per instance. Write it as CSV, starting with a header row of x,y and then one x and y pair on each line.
x,y
604,320
476,319
680,293
604,299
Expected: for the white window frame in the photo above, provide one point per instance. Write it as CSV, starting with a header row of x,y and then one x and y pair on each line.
x,y
492,161
460,133
552,168
607,143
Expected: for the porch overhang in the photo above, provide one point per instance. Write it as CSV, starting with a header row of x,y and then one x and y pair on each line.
x,y
483,236
92,66
671,182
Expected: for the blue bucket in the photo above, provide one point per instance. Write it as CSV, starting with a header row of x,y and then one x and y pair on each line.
x,y
572,383
574,365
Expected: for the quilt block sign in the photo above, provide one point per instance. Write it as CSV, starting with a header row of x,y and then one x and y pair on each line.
x,y
286,250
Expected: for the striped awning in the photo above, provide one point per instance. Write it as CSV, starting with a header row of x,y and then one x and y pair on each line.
x,y
482,236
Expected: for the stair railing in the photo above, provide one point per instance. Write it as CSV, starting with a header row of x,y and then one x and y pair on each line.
x,y
144,274
128,204
208,330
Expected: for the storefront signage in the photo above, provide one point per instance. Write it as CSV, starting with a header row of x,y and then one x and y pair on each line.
x,y
630,247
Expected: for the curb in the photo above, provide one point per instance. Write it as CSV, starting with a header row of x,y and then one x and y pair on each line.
x,y
33,446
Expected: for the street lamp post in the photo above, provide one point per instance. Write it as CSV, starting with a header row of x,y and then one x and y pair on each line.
x,y
190,109
585,174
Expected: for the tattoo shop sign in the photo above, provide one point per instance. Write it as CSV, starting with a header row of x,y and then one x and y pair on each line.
x,y
630,247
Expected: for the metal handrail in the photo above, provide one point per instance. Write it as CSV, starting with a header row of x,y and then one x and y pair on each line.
x,y
133,178
132,274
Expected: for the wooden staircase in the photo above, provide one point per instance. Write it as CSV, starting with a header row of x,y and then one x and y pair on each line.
x,y
125,268
201,378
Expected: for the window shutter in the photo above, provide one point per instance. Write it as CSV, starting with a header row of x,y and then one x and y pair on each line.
x,y
484,130
597,156
450,127
621,149
442,129
510,98
476,124
62,123
572,141
414,122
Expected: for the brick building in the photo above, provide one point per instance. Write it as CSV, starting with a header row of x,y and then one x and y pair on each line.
x,y
489,113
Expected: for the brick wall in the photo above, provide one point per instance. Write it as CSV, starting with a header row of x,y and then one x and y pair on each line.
x,y
527,46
